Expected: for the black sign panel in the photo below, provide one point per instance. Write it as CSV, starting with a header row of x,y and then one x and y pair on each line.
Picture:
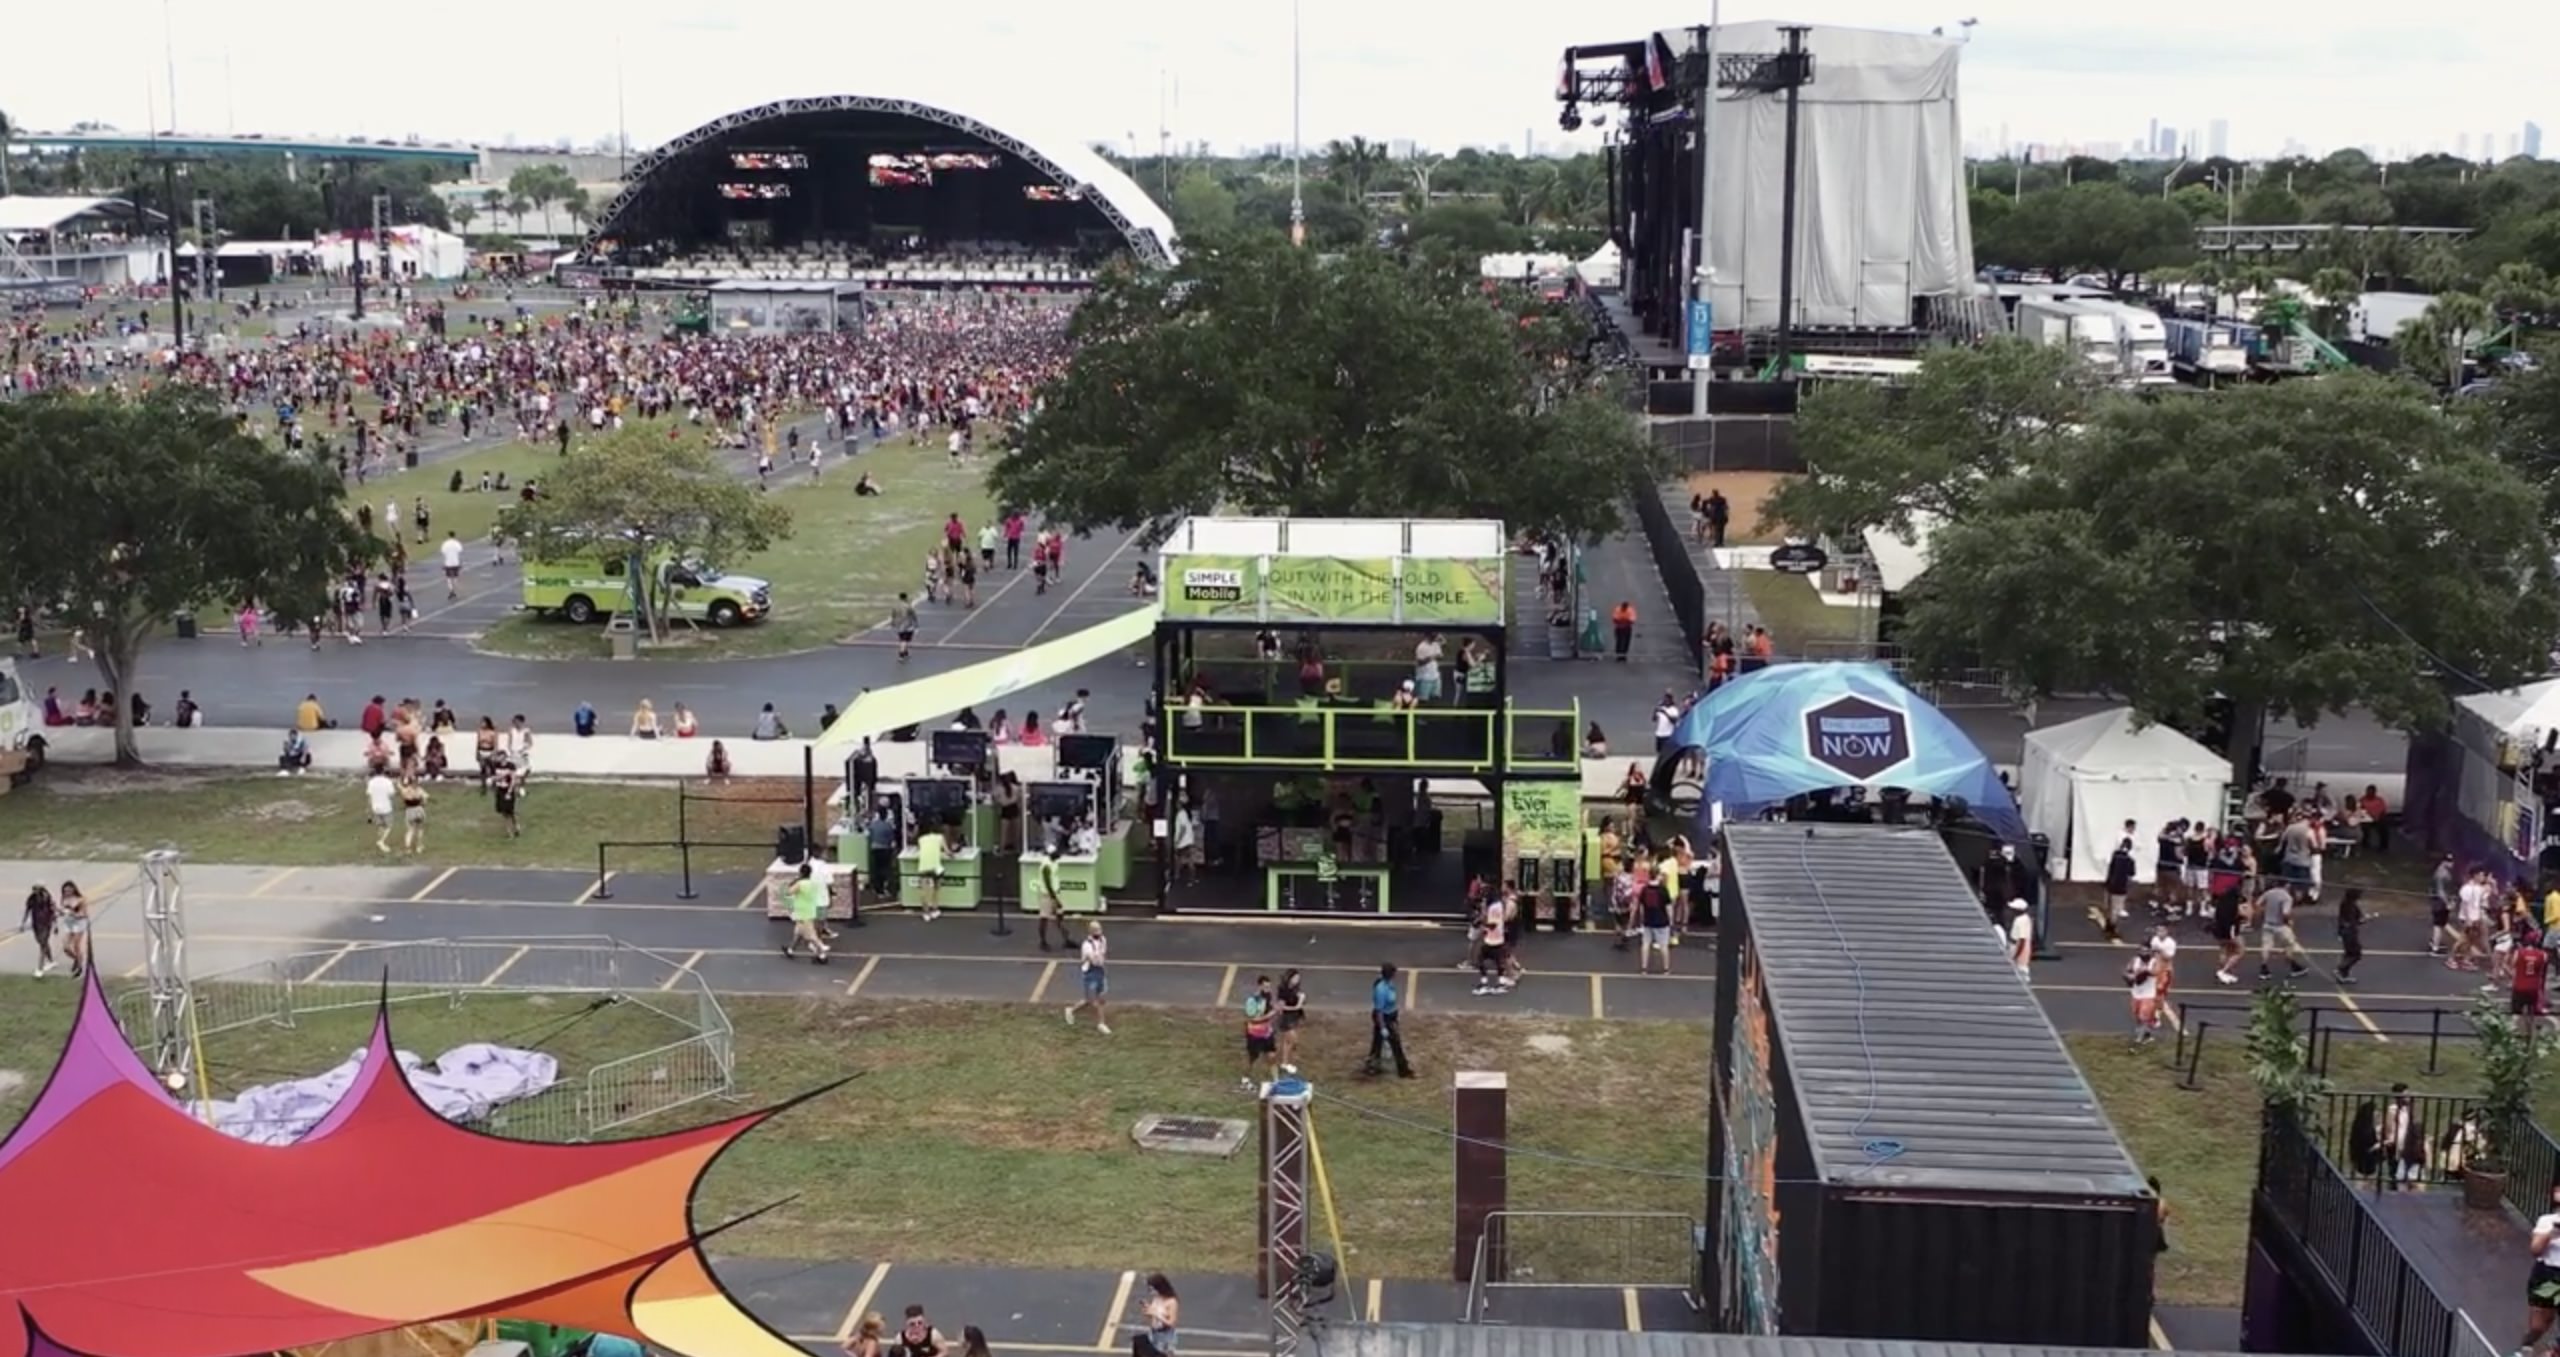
x,y
1799,558
1857,738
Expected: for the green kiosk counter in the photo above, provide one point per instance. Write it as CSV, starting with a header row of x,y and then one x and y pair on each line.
x,y
1080,888
963,875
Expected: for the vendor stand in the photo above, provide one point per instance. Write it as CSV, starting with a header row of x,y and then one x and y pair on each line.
x,y
1317,674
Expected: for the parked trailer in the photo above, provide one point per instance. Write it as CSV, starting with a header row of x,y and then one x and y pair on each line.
x,y
2376,317
2206,348
1899,1146
2142,340
2075,325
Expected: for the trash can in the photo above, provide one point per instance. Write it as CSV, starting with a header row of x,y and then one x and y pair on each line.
x,y
409,459
186,624
623,638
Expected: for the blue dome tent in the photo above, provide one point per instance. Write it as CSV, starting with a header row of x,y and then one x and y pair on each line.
x,y
1794,729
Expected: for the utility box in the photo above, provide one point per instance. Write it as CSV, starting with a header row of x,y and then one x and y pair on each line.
x,y
1899,1145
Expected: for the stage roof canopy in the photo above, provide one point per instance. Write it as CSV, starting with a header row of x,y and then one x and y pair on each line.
x,y
1065,160
25,212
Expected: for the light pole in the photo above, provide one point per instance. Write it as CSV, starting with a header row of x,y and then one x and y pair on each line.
x,y
1297,129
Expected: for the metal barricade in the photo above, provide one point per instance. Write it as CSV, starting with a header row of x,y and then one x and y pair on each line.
x,y
696,1062
1582,1250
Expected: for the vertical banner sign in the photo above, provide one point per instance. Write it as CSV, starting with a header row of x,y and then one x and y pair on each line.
x,y
1541,820
1702,334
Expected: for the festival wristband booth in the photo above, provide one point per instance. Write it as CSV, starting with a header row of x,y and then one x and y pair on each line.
x,y
1847,743
1073,784
1082,802
1321,678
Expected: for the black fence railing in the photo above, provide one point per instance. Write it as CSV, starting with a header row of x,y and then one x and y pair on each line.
x,y
2305,1195
2222,1026
1671,557
684,849
2413,1140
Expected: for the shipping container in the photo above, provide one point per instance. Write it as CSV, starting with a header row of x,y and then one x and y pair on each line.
x,y
1899,1145
1504,1340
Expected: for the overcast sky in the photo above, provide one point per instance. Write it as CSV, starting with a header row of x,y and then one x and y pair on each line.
x,y
1438,72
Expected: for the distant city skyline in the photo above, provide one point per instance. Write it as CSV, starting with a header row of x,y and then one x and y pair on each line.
x,y
2213,138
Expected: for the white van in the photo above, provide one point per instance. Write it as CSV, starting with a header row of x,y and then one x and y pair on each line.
x,y
21,727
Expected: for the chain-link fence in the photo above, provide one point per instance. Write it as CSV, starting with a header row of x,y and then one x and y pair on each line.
x,y
687,1047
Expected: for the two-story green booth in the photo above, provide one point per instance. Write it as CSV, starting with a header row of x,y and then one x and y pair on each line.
x,y
1337,734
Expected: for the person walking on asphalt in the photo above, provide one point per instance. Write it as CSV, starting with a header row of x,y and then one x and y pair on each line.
x,y
2275,931
1093,972
1048,904
808,902
1622,624
2350,933
1386,1031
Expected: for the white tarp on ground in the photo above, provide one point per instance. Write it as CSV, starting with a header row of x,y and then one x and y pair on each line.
x,y
2081,780
464,1084
1881,214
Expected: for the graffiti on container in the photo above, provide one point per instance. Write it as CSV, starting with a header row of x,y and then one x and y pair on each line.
x,y
1748,1246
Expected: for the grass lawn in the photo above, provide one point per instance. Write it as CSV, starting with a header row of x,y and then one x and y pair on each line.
x,y
466,515
319,821
1795,615
2203,1145
977,1134
846,561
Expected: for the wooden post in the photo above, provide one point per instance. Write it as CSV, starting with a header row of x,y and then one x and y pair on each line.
x,y
1479,1109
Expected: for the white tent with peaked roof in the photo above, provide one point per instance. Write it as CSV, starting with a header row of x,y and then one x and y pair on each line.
x,y
2080,781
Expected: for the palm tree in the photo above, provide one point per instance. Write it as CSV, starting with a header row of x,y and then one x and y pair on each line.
x,y
462,214
1355,164
2439,340
2333,291
2519,289
493,201
2438,269
577,205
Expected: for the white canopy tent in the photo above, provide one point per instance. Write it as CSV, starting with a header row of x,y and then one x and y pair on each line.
x,y
2080,781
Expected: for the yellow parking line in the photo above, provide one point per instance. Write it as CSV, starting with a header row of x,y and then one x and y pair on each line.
x,y
1412,986
2160,1336
1377,1298
430,888
259,892
331,960
861,1303
869,964
1599,1001
1119,1306
1049,972
1226,987
1635,1311
685,970
755,896
505,966
2362,1017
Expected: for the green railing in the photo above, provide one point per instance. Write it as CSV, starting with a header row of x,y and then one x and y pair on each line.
x,y
1312,735
1534,746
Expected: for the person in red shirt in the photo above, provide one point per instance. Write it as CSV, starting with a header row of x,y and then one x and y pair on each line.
x,y
2529,969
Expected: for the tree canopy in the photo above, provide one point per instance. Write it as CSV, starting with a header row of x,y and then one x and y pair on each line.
x,y
2291,549
126,511
1876,456
1262,379
2101,227
647,493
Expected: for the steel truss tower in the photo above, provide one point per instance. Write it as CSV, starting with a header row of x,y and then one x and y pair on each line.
x,y
164,930
1284,1140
